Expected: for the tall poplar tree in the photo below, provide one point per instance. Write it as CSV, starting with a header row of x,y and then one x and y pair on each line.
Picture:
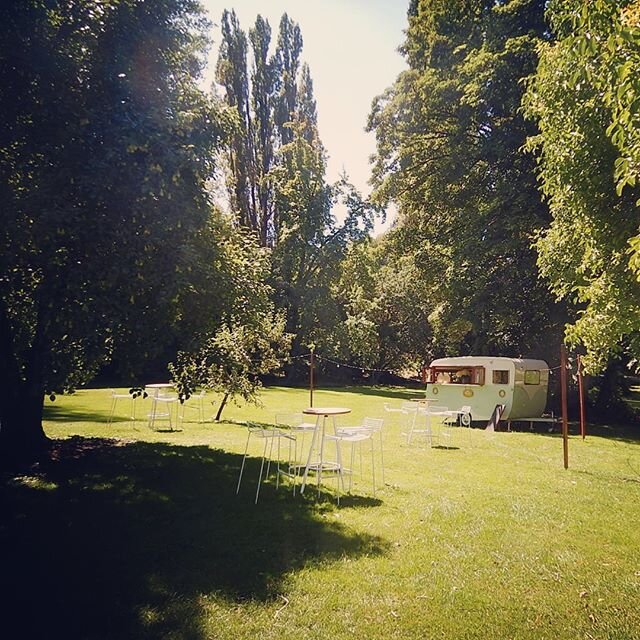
x,y
287,63
232,74
263,142
262,92
282,180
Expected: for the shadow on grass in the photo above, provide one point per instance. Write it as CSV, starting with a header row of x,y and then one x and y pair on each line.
x,y
58,413
610,477
127,540
70,415
620,433
629,434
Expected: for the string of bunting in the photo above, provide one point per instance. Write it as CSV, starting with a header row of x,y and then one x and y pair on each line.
x,y
363,370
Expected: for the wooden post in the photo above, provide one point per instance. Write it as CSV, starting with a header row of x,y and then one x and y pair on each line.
x,y
311,364
565,423
583,417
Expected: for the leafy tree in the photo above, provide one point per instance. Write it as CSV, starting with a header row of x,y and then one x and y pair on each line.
x,y
387,308
263,81
264,102
287,64
232,360
449,152
105,146
312,244
232,74
248,339
602,37
588,159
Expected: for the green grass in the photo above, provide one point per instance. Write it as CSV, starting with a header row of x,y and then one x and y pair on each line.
x,y
129,533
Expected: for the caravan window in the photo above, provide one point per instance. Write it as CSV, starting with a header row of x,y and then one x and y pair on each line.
x,y
532,376
457,375
500,377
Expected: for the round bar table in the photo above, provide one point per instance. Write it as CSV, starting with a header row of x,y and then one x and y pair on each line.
x,y
320,465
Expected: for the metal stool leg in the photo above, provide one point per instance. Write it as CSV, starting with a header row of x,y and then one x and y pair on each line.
x,y
246,449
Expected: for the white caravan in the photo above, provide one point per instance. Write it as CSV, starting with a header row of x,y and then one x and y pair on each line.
x,y
482,382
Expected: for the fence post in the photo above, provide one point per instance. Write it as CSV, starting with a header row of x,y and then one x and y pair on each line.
x,y
311,364
563,385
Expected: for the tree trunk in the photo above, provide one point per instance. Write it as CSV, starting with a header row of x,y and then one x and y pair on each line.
x,y
22,438
21,435
295,371
221,407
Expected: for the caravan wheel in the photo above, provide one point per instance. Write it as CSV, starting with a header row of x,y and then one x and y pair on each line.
x,y
465,419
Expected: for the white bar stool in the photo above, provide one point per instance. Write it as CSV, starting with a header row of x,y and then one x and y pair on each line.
x,y
269,435
115,396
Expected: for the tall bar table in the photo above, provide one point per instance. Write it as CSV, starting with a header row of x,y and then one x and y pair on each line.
x,y
315,459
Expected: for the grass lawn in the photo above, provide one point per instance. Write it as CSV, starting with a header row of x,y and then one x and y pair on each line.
x,y
129,533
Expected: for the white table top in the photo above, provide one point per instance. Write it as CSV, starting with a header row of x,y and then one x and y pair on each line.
x,y
159,385
326,411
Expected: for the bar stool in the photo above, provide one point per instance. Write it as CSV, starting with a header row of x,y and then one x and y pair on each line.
x,y
115,396
295,425
355,436
411,411
269,436
316,459
195,403
162,409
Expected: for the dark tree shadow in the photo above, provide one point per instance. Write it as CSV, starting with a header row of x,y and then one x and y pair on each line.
x,y
629,434
122,540
607,477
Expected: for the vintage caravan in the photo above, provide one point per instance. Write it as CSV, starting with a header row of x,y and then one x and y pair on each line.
x,y
482,382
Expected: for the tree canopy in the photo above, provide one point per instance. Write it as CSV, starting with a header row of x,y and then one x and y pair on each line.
x,y
584,99
276,176
106,143
511,146
449,152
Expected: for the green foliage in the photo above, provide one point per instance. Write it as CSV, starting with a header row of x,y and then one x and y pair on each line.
x,y
602,38
106,144
450,136
311,245
264,100
387,310
585,252
247,339
231,360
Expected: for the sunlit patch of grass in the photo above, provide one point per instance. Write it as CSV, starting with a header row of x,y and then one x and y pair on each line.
x,y
34,482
